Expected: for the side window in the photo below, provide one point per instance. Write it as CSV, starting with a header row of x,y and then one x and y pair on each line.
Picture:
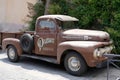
x,y
47,24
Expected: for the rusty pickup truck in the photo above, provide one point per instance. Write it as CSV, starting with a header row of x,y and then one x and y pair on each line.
x,y
56,39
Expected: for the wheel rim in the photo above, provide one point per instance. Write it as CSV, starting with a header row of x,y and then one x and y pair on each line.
x,y
74,63
11,53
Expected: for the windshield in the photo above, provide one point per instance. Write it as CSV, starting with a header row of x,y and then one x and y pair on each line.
x,y
68,25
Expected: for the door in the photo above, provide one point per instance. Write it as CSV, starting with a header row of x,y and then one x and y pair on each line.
x,y
46,34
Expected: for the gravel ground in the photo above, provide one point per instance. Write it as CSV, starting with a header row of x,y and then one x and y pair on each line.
x,y
31,69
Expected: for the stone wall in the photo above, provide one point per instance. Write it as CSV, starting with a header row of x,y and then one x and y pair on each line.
x,y
13,14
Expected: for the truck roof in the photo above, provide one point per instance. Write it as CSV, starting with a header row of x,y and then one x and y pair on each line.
x,y
60,17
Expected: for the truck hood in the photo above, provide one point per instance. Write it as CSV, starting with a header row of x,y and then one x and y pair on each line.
x,y
85,35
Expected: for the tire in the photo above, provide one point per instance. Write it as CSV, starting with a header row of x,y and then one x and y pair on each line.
x,y
75,64
26,42
12,54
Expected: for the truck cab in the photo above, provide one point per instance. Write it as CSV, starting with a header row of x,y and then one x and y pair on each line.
x,y
57,39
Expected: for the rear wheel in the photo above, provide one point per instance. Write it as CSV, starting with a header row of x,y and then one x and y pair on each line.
x,y
75,64
12,54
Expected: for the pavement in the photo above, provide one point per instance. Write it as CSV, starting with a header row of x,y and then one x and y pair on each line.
x,y
32,69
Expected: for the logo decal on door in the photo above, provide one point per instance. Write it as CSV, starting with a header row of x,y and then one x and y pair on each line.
x,y
41,42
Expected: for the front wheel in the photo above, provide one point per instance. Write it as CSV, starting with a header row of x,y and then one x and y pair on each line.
x,y
12,54
75,64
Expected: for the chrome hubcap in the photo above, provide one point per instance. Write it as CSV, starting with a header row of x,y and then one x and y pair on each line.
x,y
74,63
11,53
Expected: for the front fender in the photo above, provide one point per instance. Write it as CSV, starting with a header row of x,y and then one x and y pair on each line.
x,y
12,41
85,48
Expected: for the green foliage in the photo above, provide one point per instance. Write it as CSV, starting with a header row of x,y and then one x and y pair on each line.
x,y
54,8
38,10
116,38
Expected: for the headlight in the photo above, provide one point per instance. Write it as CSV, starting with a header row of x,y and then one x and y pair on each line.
x,y
100,51
97,53
111,47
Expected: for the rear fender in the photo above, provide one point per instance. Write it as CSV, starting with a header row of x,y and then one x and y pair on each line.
x,y
12,41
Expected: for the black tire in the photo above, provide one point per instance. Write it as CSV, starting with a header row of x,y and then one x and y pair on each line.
x,y
12,54
26,42
73,68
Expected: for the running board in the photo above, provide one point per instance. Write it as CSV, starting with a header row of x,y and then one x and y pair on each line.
x,y
44,58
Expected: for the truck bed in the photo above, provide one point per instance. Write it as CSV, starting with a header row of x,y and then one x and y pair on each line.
x,y
17,35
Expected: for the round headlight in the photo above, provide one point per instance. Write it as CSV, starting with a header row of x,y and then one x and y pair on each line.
x,y
111,47
102,50
108,49
97,53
